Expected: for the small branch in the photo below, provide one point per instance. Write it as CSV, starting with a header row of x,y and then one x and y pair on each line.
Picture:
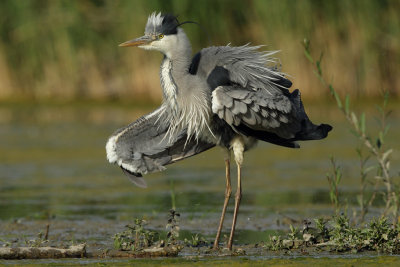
x,y
169,251
78,251
377,150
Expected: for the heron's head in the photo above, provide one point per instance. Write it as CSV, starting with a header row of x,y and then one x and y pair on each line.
x,y
161,33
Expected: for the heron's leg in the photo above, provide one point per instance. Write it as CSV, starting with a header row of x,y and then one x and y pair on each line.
x,y
228,191
238,149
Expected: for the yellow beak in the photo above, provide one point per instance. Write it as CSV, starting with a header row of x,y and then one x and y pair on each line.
x,y
138,41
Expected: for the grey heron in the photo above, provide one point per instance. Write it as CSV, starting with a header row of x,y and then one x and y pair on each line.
x,y
223,96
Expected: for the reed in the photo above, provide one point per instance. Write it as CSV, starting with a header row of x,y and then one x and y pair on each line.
x,y
67,49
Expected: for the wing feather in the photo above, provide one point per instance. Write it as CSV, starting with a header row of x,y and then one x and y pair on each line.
x,y
255,109
245,66
251,94
239,107
143,146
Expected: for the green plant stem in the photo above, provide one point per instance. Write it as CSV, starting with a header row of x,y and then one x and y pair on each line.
x,y
382,156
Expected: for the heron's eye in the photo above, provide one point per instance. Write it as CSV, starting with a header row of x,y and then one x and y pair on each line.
x,y
161,36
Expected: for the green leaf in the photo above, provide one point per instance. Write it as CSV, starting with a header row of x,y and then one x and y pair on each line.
x,y
308,56
362,123
320,57
333,92
338,176
385,98
385,131
381,138
359,152
347,104
319,77
318,64
306,44
380,110
332,196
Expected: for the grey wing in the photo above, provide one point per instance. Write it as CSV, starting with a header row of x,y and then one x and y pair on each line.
x,y
254,113
245,66
278,119
143,146
251,94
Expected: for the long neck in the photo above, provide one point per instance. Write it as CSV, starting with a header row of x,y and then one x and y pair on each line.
x,y
185,98
180,51
175,69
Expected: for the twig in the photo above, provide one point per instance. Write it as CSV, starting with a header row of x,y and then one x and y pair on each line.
x,y
381,155
77,251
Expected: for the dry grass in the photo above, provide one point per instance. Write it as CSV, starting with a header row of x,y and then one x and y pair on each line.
x,y
68,49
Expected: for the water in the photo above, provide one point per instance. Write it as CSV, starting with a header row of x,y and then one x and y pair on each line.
x,y
53,168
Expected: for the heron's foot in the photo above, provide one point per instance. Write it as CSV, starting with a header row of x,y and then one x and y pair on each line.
x,y
222,250
215,246
226,252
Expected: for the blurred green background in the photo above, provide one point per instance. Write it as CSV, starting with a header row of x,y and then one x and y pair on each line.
x,y
68,49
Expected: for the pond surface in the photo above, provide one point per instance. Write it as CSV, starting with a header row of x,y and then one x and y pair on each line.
x,y
53,169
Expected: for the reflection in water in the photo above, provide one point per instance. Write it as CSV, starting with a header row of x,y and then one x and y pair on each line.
x,y
53,164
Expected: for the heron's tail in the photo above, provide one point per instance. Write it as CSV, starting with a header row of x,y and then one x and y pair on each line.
x,y
309,131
